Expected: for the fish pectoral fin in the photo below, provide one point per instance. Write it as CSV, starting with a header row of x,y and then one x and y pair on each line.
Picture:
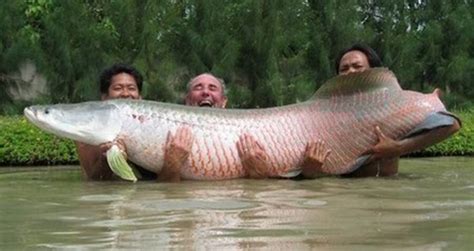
x,y
119,164
291,173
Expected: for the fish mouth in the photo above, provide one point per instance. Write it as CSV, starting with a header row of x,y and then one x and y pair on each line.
x,y
206,103
29,113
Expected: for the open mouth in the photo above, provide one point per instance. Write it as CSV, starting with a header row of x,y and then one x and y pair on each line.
x,y
205,103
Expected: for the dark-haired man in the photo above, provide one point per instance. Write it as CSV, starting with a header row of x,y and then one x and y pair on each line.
x,y
386,153
117,81
357,58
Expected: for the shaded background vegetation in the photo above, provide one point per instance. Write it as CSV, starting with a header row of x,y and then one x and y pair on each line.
x,y
269,52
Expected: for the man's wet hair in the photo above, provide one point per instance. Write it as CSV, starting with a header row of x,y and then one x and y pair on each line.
x,y
108,73
372,57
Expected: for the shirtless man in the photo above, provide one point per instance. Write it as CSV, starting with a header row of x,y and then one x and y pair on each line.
x,y
386,153
206,90
117,81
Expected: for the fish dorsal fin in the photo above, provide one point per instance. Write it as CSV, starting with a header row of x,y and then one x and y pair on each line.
x,y
369,80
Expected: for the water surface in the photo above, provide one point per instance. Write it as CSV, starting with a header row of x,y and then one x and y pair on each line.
x,y
429,206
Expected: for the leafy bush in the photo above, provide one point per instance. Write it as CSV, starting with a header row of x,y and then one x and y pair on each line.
x,y
21,143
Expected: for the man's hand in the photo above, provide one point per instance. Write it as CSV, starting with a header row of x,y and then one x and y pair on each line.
x,y
253,157
386,147
119,142
315,155
177,149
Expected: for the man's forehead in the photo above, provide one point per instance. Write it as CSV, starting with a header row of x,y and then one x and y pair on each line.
x,y
123,78
355,54
205,79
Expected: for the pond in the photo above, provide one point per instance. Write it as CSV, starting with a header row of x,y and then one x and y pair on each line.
x,y
429,206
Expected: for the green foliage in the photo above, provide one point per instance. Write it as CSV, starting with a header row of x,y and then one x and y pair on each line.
x,y
268,52
21,143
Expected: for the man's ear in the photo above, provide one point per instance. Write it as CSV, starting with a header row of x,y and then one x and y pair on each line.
x,y
104,96
186,100
224,103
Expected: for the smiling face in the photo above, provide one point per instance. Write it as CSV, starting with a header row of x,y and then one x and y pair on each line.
x,y
353,61
206,90
122,85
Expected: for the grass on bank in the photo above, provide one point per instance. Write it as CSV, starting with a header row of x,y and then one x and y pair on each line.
x,y
21,143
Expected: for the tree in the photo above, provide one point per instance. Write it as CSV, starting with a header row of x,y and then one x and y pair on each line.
x,y
268,52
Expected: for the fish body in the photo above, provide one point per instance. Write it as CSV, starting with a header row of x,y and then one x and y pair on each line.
x,y
343,113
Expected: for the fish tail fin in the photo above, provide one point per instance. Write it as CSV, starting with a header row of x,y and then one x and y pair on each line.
x,y
119,164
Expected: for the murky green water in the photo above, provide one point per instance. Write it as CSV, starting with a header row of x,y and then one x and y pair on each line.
x,y
430,206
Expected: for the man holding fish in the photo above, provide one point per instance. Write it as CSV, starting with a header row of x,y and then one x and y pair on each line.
x,y
205,91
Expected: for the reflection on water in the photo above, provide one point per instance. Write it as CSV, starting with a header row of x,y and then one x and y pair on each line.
x,y
429,206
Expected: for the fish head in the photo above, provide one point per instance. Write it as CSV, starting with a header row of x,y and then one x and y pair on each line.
x,y
89,122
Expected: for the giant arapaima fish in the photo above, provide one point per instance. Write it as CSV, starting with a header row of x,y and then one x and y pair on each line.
x,y
343,113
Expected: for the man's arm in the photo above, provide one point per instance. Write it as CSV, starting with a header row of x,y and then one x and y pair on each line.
x,y
315,155
93,162
177,151
386,152
389,148
253,157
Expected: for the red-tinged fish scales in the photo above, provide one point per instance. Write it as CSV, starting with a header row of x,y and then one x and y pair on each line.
x,y
343,113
